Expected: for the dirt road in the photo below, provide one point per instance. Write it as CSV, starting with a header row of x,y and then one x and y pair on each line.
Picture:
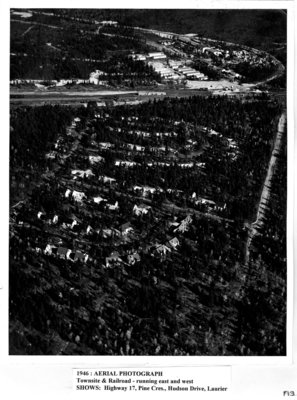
x,y
266,191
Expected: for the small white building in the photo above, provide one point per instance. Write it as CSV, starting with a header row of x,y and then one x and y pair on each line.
x,y
127,164
126,228
98,199
95,76
78,196
89,229
141,210
106,145
135,147
82,174
49,249
96,159
162,249
184,225
107,179
174,242
113,207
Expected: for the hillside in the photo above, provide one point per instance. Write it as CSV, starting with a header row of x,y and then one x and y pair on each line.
x,y
258,28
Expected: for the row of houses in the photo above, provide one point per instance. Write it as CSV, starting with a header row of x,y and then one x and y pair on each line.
x,y
116,259
65,254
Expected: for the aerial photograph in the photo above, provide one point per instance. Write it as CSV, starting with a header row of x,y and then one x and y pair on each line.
x,y
148,182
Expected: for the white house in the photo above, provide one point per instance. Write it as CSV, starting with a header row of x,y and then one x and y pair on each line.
x,y
95,76
113,207
74,223
140,210
126,228
133,258
78,196
89,229
109,22
98,199
40,214
184,225
135,147
162,249
113,258
120,163
51,155
79,256
81,173
174,242
96,159
106,145
106,179
49,249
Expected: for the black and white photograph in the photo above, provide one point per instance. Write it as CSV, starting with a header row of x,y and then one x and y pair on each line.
x,y
148,182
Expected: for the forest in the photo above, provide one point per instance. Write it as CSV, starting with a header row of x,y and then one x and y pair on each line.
x,y
202,299
255,28
69,52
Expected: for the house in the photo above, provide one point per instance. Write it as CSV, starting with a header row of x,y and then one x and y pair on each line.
x,y
141,209
89,229
107,179
109,22
78,196
162,249
51,155
184,225
113,207
151,190
145,190
40,215
138,57
126,228
174,242
106,233
157,56
98,199
114,258
186,165
95,76
96,159
49,249
200,164
109,232
221,207
74,223
63,253
133,258
82,174
173,223
79,256
135,147
106,145
206,202
120,163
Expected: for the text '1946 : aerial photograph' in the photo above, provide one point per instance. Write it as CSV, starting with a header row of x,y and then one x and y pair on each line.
x,y
148,182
